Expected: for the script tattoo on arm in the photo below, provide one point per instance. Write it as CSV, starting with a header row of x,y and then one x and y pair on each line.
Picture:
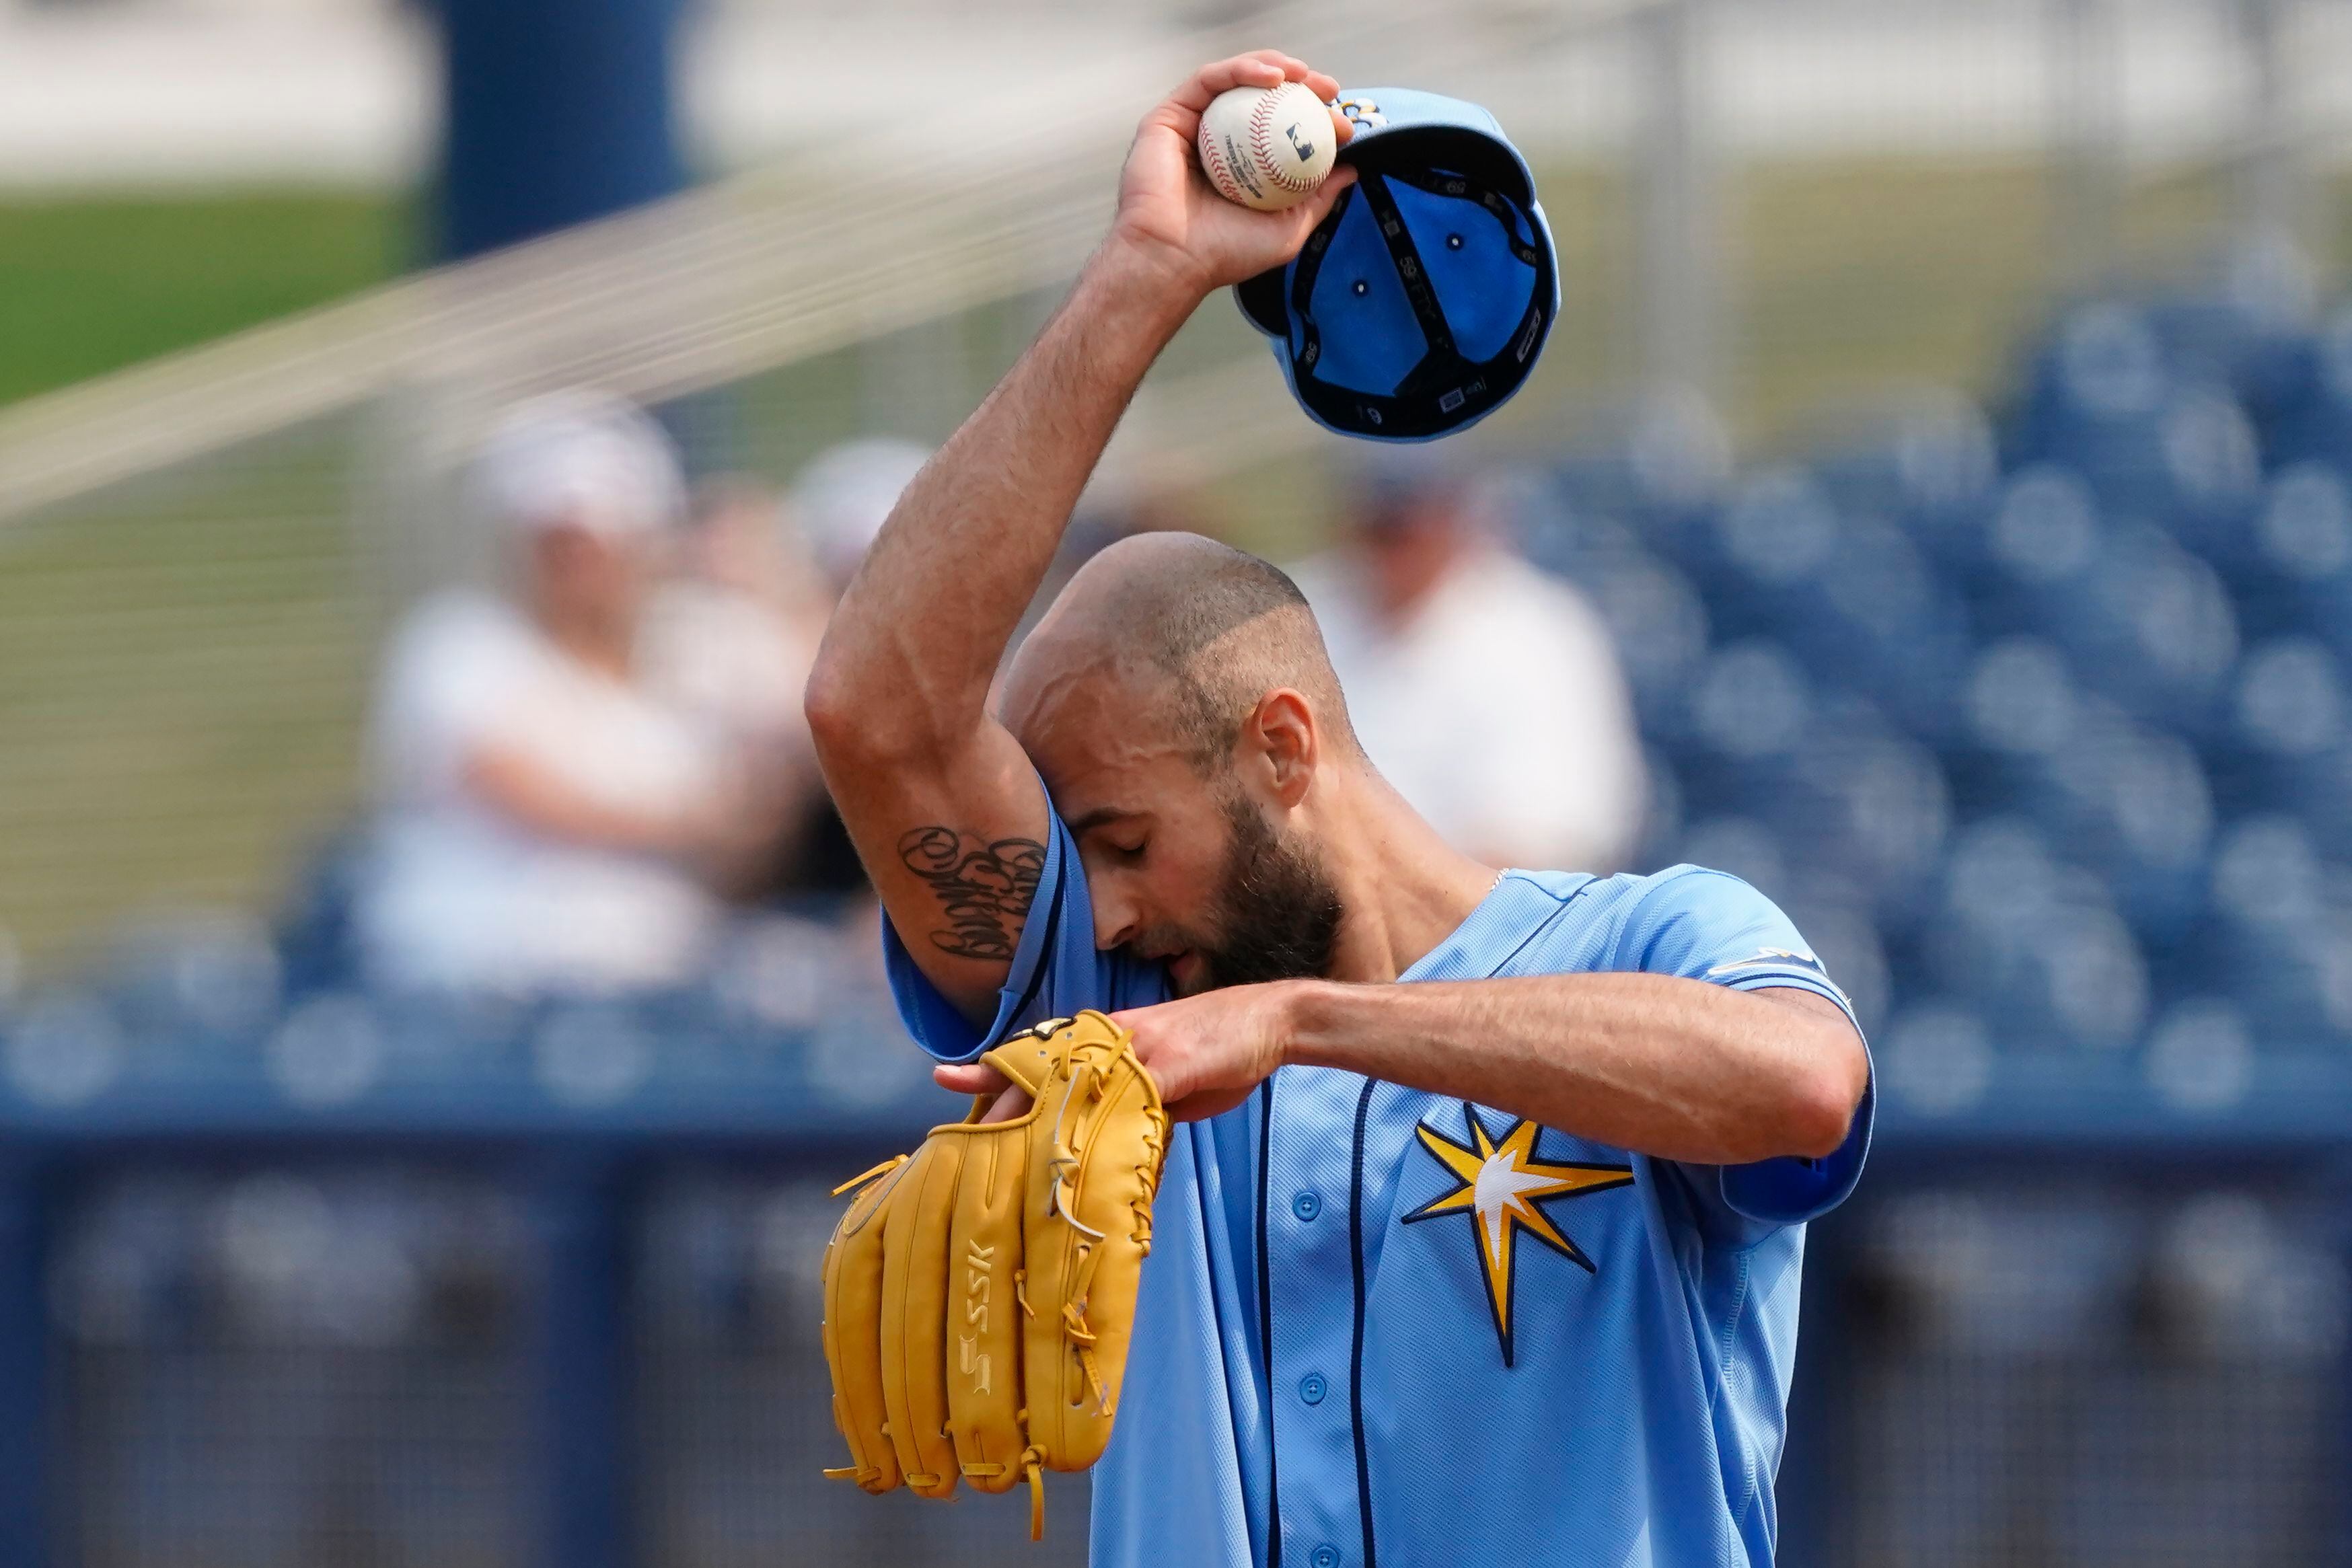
x,y
984,887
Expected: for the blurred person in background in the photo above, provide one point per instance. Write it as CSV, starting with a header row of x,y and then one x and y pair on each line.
x,y
1486,691
548,820
841,500
733,640
846,494
729,640
730,636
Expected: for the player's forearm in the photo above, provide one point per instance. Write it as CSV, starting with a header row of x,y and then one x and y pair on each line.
x,y
1671,1067
920,633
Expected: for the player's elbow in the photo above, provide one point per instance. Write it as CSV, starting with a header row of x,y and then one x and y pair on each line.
x,y
830,703
851,717
1823,1098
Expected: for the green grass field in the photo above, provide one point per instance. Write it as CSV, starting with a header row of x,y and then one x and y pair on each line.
x,y
183,662
89,285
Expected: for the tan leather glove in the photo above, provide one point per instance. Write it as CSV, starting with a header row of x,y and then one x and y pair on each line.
x,y
980,1294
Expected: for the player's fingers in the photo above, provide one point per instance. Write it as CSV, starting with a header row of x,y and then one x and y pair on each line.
x,y
1343,128
970,1078
1009,1104
1242,70
1316,207
1262,68
1166,1074
1326,88
978,1078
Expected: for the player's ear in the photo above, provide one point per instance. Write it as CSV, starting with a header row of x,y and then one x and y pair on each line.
x,y
1282,730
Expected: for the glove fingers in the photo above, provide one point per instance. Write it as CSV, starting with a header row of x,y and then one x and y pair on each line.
x,y
1093,1232
984,1313
914,1317
980,1297
851,1335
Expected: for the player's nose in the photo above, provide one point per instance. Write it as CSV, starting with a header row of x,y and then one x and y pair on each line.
x,y
1117,923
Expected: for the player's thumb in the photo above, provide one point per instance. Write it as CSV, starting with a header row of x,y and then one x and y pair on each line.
x,y
1317,208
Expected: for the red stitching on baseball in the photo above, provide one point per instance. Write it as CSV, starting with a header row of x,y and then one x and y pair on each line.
x,y
1220,174
1262,140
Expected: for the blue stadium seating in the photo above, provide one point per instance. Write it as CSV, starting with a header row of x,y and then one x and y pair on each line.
x,y
2071,724
2043,733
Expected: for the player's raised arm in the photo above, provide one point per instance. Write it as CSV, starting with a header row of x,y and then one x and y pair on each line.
x,y
944,807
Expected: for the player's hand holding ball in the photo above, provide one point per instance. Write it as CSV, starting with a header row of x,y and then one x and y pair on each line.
x,y
1170,210
1267,148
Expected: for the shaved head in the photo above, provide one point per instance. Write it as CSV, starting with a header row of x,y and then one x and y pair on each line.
x,y
1196,629
1139,695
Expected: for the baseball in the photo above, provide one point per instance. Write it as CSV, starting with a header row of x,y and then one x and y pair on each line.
x,y
1267,148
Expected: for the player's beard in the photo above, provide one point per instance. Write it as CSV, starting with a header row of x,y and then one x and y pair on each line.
x,y
1276,916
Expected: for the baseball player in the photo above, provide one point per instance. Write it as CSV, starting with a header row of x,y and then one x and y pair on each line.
x,y
1499,1263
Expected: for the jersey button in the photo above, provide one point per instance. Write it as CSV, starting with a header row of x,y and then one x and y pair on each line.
x,y
1306,1205
1312,1388
1325,1556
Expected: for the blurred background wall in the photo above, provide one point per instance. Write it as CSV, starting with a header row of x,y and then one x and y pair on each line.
x,y
1949,424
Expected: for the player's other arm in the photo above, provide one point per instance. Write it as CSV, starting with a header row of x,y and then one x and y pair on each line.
x,y
943,806
1678,1068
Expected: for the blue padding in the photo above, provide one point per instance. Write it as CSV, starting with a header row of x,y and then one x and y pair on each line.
x,y
1791,1191
1485,287
1370,339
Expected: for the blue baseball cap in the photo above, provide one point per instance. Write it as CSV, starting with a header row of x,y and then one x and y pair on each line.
x,y
1421,302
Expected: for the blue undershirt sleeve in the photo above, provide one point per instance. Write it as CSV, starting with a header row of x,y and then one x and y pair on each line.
x,y
1707,926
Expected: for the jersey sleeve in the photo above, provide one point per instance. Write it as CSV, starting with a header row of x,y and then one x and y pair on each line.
x,y
1707,926
1057,968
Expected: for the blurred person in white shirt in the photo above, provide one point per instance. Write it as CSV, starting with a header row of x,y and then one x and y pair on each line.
x,y
733,639
1486,691
548,822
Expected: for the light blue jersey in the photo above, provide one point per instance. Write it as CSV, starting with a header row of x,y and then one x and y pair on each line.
x,y
1381,1326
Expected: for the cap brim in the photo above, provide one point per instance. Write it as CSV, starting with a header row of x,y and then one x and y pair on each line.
x,y
1260,298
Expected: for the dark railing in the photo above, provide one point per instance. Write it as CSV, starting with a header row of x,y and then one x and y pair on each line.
x,y
547,1299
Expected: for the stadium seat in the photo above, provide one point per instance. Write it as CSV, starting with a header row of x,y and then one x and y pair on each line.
x,y
2312,415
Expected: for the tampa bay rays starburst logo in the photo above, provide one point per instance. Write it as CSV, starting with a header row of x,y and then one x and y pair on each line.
x,y
1502,1191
